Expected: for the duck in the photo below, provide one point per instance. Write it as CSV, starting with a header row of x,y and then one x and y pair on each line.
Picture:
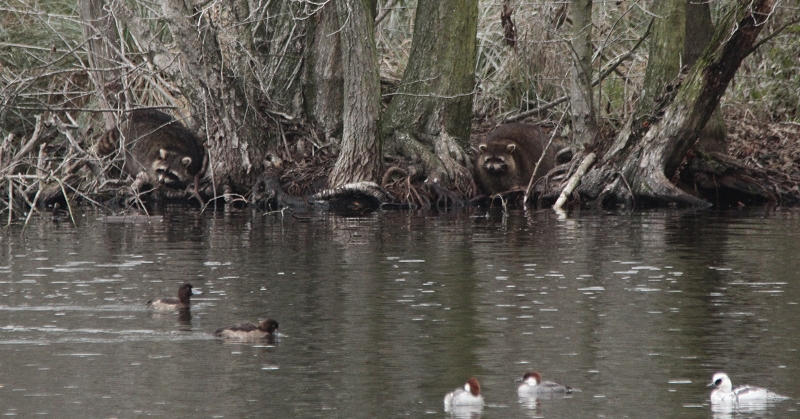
x,y
470,395
249,331
185,292
724,392
533,385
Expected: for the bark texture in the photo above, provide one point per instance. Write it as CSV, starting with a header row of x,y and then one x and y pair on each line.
x,y
100,32
430,115
640,168
323,84
219,84
359,156
699,29
666,56
584,123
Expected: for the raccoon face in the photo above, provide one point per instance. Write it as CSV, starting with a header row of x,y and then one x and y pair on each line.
x,y
497,162
171,169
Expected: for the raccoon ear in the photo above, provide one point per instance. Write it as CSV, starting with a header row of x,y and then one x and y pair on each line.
x,y
482,147
163,154
186,161
511,147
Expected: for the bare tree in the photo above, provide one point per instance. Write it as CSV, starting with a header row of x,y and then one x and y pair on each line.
x,y
699,29
584,122
360,155
100,32
214,46
430,114
640,166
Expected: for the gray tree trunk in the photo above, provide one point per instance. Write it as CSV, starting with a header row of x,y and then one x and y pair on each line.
x,y
360,153
666,55
100,32
323,83
680,34
218,81
430,114
584,122
699,29
641,164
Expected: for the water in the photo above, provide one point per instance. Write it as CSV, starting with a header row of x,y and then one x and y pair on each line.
x,y
382,315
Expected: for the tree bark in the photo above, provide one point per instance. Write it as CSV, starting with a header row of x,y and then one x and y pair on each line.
x,y
639,168
680,34
360,154
215,47
666,55
430,114
100,33
323,82
584,123
699,29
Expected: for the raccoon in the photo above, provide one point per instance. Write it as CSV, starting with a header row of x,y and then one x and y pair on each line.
x,y
158,150
508,156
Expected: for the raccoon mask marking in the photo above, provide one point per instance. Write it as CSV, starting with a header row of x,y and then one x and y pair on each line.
x,y
171,169
497,162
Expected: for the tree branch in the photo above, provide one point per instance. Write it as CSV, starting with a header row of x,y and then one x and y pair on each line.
x,y
600,77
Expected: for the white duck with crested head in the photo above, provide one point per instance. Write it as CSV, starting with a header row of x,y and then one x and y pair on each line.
x,y
470,396
726,393
532,385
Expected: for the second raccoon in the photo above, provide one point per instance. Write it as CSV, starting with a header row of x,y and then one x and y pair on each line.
x,y
158,149
508,156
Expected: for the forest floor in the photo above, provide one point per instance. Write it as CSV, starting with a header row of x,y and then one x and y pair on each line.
x,y
764,144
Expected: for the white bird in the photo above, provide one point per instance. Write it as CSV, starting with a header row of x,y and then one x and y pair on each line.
x,y
532,385
470,395
726,393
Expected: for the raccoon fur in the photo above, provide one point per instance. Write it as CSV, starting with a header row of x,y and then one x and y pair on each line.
x,y
158,150
508,156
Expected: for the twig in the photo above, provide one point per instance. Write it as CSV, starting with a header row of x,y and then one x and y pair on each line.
x,y
600,77
773,34
37,132
384,11
544,152
10,201
66,199
33,209
573,181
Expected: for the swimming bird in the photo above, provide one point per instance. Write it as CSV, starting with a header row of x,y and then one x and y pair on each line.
x,y
532,385
185,292
249,331
470,395
726,393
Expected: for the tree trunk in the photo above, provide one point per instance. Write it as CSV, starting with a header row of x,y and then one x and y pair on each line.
x,y
430,115
360,154
642,162
323,83
680,34
699,29
219,83
100,33
666,55
584,123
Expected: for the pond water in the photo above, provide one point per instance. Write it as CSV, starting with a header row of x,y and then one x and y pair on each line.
x,y
381,315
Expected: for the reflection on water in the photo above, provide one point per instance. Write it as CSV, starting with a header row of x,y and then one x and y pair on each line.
x,y
466,412
751,409
380,315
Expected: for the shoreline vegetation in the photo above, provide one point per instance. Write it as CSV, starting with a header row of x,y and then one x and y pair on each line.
x,y
58,95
